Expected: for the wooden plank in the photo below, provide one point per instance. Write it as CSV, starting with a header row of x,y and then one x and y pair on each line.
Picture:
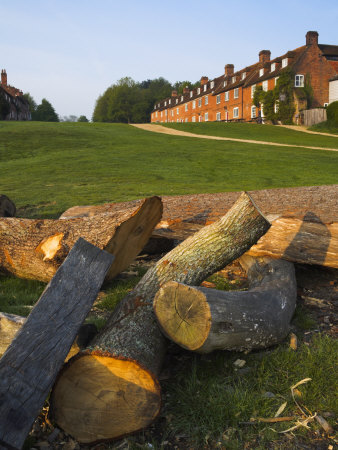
x,y
31,363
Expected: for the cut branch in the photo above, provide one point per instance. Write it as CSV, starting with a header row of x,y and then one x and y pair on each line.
x,y
112,388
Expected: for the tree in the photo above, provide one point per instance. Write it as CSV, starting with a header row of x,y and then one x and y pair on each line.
x,y
45,112
32,104
4,106
82,119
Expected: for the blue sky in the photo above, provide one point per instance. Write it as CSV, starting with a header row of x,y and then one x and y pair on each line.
x,y
70,51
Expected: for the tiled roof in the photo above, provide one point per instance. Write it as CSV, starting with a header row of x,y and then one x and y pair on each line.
x,y
329,50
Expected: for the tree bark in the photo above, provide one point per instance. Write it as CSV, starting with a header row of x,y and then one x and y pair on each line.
x,y
35,249
30,364
10,324
112,388
304,221
204,320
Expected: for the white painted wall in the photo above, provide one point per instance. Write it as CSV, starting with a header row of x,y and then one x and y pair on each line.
x,y
333,91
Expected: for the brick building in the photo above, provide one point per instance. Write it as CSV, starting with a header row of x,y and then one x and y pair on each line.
x,y
13,106
229,97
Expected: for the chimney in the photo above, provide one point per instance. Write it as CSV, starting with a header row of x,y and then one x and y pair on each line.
x,y
264,56
186,90
228,70
204,80
3,77
311,38
174,93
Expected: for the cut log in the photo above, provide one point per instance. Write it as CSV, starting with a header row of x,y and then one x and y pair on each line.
x,y
112,389
10,324
204,320
7,207
30,365
304,221
35,249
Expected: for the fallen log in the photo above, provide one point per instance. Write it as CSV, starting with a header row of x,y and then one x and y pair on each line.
x,y
10,324
34,249
204,320
30,364
7,207
112,388
304,221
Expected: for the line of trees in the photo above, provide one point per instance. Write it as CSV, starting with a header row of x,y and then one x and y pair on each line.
x,y
129,101
46,113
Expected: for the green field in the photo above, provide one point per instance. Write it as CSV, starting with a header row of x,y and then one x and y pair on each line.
x,y
207,402
48,167
266,133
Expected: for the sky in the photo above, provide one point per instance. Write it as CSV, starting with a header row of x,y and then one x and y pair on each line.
x,y
71,51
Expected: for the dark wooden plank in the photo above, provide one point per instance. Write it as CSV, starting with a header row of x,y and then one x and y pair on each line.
x,y
31,363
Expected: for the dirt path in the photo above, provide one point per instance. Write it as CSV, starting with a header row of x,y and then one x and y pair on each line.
x,y
160,129
305,130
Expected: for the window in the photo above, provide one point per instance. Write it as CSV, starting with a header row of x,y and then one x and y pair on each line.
x,y
253,88
225,83
186,119
236,113
166,112
156,113
212,84
165,103
243,75
158,105
299,81
199,102
169,101
276,107
326,105
205,87
155,107
172,113
284,62
206,117
233,80
253,112
161,113
181,98
186,107
236,93
265,85
200,118
273,67
194,104
276,79
177,120
198,91
191,94
226,96
177,110
206,100
218,99
176,101
261,72
193,119
218,116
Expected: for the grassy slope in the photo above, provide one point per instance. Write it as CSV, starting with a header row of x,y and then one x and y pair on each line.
x,y
267,133
324,127
46,168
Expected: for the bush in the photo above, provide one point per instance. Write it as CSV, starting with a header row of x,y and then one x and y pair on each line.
x,y
332,113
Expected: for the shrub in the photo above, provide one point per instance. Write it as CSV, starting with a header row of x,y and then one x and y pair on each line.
x,y
332,113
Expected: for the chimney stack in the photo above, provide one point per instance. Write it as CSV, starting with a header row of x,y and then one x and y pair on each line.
x,y
174,93
186,90
3,77
311,38
264,56
229,70
204,80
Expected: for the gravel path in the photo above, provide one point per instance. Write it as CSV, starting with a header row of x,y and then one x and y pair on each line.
x,y
165,130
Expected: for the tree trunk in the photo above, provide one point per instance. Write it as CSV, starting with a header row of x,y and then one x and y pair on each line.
x,y
35,248
30,364
304,221
10,324
205,320
112,388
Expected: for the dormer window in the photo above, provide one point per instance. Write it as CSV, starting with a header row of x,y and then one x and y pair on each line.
x,y
284,62
261,72
233,80
205,87
181,98
273,67
176,101
158,105
224,83
243,75
155,107
191,94
169,102
212,84
165,103
198,91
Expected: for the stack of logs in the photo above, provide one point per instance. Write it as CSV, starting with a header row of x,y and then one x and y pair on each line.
x,y
110,388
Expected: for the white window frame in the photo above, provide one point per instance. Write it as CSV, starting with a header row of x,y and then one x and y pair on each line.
x,y
165,103
172,113
226,96
253,88
177,111
166,112
206,117
178,120
181,98
169,101
285,62
176,101
273,67
299,80
276,106
243,75
218,99
212,84
161,113
205,87
276,79
236,93
193,104
186,107
253,112
198,91
200,118
191,94
193,119
206,100
265,85
235,113
225,83
199,102
156,113
261,72
218,116
186,119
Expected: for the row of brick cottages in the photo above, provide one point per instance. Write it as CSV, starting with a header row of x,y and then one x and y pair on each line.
x,y
229,97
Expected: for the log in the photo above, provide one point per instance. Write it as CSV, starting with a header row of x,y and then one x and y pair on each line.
x,y
204,320
34,249
10,324
30,364
7,207
304,221
112,389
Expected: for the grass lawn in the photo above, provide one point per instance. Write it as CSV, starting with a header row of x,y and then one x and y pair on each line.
x,y
268,133
48,167
207,402
324,127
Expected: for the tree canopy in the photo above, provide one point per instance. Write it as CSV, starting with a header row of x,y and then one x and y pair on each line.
x,y
43,112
